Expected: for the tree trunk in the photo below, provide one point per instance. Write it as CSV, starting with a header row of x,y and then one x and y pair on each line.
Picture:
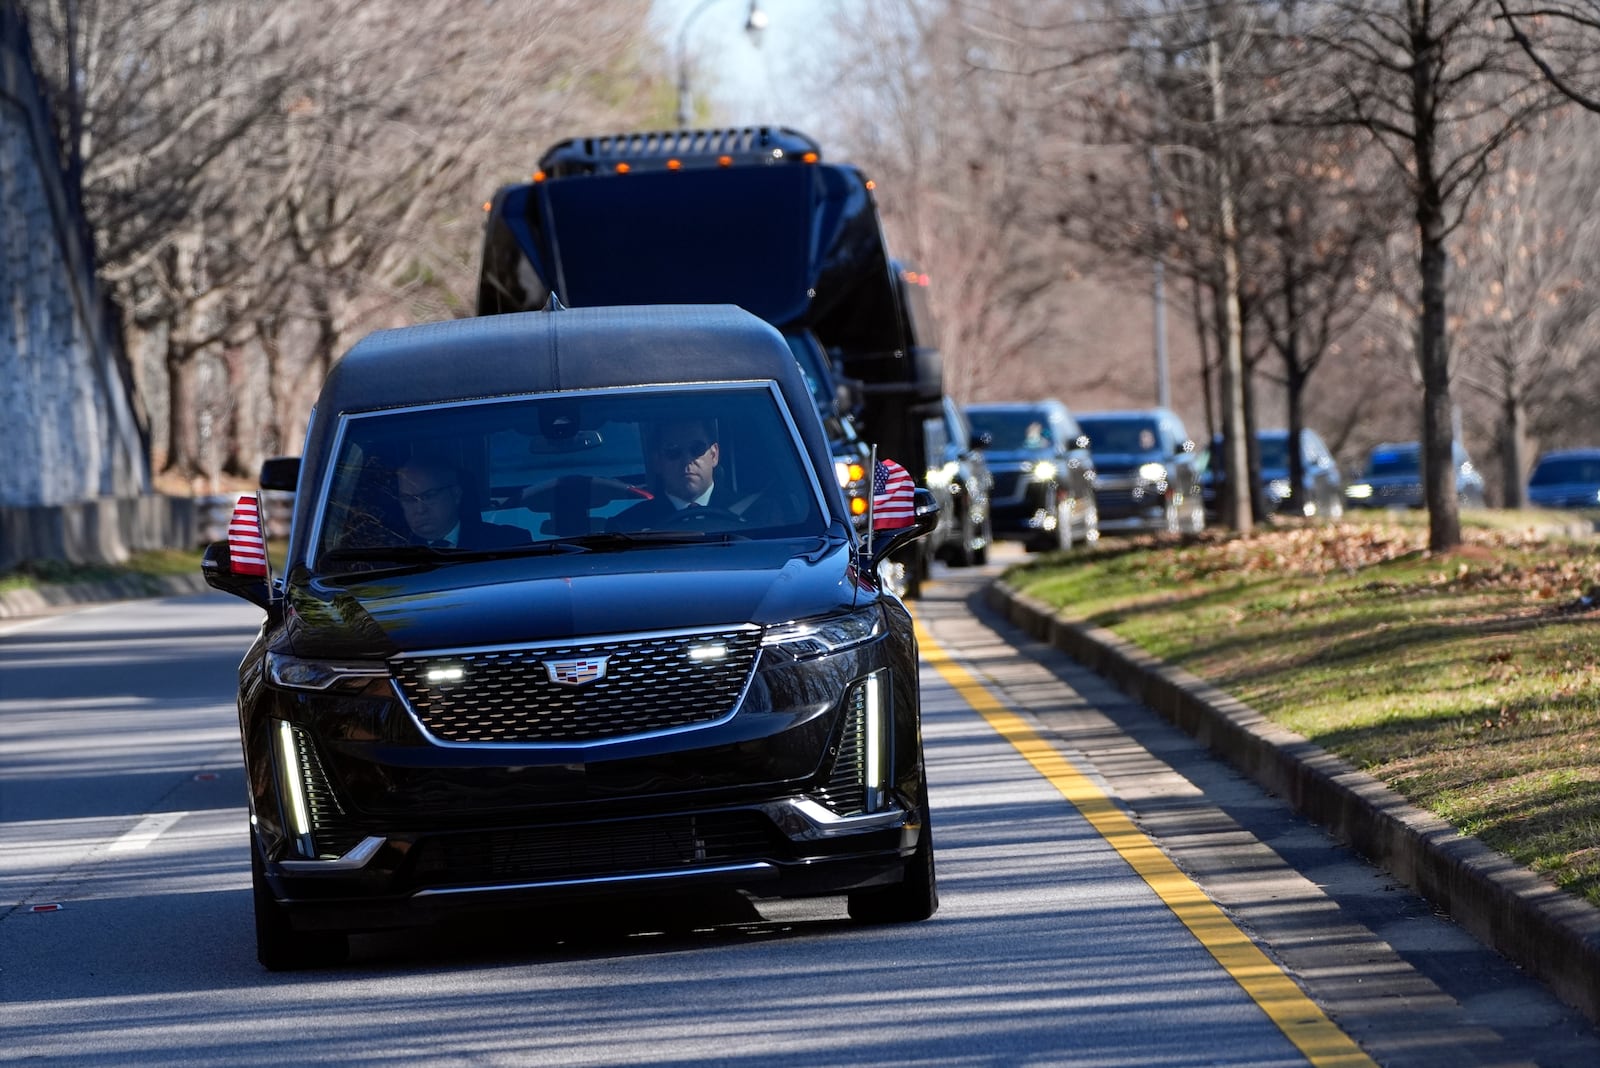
x,y
1514,448
1433,356
1235,501
183,438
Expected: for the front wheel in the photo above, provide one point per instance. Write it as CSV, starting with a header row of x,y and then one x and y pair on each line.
x,y
281,948
914,898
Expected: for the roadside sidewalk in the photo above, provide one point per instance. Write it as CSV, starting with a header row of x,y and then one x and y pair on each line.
x,y
1549,933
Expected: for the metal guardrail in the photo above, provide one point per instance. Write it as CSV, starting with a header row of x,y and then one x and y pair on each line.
x,y
213,513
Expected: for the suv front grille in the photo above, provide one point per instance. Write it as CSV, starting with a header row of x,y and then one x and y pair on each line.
x,y
651,683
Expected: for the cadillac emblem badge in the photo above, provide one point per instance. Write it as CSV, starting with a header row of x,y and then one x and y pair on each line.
x,y
576,672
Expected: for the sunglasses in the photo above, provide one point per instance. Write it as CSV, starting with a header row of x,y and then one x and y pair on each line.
x,y
690,451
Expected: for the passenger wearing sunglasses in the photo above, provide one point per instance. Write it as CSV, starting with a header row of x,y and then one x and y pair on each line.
x,y
430,496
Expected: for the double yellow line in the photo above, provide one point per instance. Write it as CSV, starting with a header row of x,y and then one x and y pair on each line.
x,y
1285,1004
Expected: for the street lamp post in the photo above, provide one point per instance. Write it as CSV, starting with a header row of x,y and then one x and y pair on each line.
x,y
755,21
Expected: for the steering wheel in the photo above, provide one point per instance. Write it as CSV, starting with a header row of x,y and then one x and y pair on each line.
x,y
697,512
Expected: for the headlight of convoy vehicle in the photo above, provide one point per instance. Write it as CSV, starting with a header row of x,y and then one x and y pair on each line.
x,y
809,638
1044,471
1153,472
944,475
1358,491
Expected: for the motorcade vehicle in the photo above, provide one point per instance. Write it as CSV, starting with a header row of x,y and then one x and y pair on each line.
x,y
1043,473
1565,478
1147,471
1392,478
1321,486
752,216
583,690
959,478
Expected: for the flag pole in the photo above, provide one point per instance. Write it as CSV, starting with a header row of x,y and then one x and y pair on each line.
x,y
872,499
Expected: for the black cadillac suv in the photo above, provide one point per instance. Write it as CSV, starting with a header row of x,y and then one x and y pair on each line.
x,y
572,604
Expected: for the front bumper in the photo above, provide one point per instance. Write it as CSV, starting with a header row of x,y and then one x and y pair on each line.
x,y
791,847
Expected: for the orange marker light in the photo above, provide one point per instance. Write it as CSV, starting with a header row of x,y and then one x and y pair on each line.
x,y
871,184
809,157
857,472
725,161
539,176
623,168
858,506
487,205
674,164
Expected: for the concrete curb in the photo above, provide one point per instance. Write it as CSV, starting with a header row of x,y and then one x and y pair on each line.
x,y
1546,931
34,600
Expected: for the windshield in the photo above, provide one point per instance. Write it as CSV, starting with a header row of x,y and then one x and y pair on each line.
x,y
1274,451
603,470
1387,462
1011,430
1556,471
1119,435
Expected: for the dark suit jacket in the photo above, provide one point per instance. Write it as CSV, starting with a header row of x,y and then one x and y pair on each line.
x,y
659,510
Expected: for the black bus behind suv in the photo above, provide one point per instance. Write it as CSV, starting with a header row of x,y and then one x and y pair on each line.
x,y
518,656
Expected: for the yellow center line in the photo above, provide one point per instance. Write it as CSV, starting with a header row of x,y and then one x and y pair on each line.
x,y
1286,1005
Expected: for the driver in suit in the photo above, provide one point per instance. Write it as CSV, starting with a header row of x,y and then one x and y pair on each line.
x,y
430,497
681,457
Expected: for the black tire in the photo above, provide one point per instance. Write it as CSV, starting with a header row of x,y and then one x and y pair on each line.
x,y
913,899
281,948
961,553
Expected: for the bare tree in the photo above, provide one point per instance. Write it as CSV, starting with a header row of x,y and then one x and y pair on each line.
x,y
1560,38
1441,93
1525,266
252,165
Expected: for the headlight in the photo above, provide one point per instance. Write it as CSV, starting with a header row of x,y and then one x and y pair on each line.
x,y
1153,472
807,638
943,476
317,676
1044,471
1279,489
1359,491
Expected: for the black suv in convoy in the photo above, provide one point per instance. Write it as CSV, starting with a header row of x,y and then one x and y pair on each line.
x,y
1044,476
1392,478
1321,487
959,478
572,604
1147,471
1566,478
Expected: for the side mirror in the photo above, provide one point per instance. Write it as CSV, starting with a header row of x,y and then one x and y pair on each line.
x,y
280,473
216,566
925,518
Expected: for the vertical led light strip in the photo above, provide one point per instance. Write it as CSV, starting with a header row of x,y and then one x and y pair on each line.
x,y
300,822
874,762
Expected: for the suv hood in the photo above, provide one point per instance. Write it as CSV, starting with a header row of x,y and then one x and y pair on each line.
x,y
521,600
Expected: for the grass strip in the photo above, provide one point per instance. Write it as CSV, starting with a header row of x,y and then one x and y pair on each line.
x,y
1465,681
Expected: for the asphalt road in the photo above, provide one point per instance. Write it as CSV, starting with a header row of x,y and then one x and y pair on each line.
x,y
1110,896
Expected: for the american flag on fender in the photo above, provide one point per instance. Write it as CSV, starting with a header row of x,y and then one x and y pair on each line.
x,y
247,550
893,503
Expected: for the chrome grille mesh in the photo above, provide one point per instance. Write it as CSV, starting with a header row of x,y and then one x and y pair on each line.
x,y
651,683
